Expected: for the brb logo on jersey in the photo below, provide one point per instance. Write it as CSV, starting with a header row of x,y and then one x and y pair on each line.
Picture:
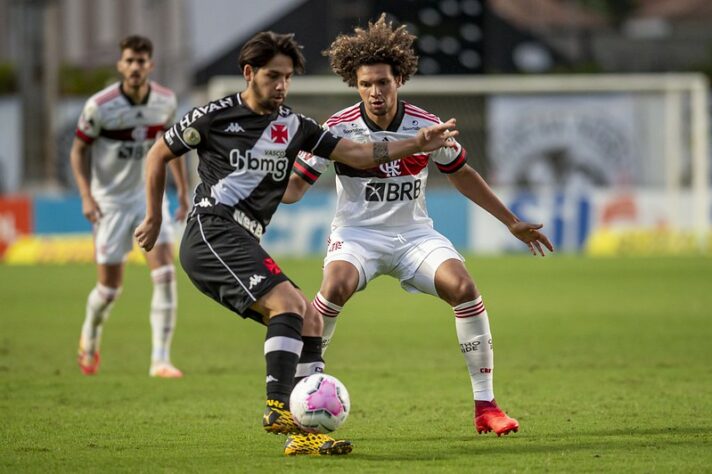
x,y
389,192
275,163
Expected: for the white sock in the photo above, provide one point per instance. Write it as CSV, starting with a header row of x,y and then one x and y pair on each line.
x,y
473,333
163,312
329,311
99,303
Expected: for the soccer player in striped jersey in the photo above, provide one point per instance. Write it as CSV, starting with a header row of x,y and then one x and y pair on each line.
x,y
381,226
116,128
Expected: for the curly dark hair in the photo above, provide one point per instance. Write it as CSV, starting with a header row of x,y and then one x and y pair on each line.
x,y
381,43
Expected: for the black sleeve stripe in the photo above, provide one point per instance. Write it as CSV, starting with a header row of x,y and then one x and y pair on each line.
x,y
306,172
456,164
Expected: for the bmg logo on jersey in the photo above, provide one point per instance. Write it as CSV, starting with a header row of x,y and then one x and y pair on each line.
x,y
275,164
393,191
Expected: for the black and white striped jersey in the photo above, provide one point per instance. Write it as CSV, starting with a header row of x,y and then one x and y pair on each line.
x,y
245,159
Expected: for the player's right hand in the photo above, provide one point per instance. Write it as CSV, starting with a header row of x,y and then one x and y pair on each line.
x,y
437,136
91,209
147,233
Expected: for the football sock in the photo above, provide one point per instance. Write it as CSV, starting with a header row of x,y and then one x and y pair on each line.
x,y
283,346
311,360
473,334
163,312
99,304
329,311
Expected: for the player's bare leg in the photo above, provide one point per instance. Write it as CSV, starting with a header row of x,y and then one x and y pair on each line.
x,y
455,286
164,303
99,303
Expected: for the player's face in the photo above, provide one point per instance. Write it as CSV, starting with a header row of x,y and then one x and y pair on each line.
x,y
269,84
134,67
378,88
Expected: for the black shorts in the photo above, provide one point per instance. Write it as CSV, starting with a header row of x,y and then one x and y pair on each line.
x,y
227,263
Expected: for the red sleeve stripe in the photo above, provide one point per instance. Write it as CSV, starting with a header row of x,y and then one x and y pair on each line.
x,y
344,118
84,137
345,112
412,110
104,98
161,89
458,163
304,171
425,117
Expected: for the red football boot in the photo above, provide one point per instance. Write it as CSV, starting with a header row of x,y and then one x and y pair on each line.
x,y
88,363
489,417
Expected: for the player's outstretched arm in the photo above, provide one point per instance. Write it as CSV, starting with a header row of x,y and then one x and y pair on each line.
x,y
295,189
368,155
475,188
158,157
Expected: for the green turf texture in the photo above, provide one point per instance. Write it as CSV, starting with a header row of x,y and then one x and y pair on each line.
x,y
607,364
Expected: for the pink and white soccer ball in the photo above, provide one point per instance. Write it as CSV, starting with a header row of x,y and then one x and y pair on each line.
x,y
320,403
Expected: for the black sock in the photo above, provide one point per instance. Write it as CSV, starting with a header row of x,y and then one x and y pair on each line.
x,y
283,346
311,360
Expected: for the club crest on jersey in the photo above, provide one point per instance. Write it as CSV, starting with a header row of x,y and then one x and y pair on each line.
x,y
191,136
390,169
279,133
139,133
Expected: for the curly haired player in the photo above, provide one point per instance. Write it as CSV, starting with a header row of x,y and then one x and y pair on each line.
x,y
381,226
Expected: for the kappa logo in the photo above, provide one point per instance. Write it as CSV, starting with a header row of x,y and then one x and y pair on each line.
x,y
271,378
205,202
256,280
234,127
279,133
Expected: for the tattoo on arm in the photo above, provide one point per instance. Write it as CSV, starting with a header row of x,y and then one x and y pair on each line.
x,y
380,153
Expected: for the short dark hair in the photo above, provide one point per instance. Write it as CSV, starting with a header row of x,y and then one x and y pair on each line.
x,y
262,47
137,43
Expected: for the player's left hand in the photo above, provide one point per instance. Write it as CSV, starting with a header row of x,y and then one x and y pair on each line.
x,y
530,235
437,136
147,233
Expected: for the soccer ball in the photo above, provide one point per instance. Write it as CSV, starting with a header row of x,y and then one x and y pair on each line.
x,y
320,403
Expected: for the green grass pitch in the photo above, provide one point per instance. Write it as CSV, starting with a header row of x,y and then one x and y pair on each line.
x,y
607,364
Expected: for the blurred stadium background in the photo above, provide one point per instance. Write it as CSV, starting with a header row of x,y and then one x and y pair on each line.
x,y
591,116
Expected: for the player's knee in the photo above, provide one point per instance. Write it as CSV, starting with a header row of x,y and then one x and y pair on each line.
x,y
336,292
105,294
461,291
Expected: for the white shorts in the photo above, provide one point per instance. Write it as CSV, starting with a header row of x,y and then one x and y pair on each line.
x,y
113,233
412,254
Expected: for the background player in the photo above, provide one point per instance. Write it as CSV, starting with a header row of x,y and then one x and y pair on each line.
x,y
381,224
117,127
247,143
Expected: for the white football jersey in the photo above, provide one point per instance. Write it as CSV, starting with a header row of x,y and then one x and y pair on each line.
x,y
392,194
121,133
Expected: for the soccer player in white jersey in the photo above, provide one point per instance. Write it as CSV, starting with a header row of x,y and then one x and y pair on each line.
x,y
116,128
381,226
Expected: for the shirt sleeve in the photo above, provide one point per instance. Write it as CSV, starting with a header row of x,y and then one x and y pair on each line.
x,y
89,125
449,159
188,133
309,167
318,140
